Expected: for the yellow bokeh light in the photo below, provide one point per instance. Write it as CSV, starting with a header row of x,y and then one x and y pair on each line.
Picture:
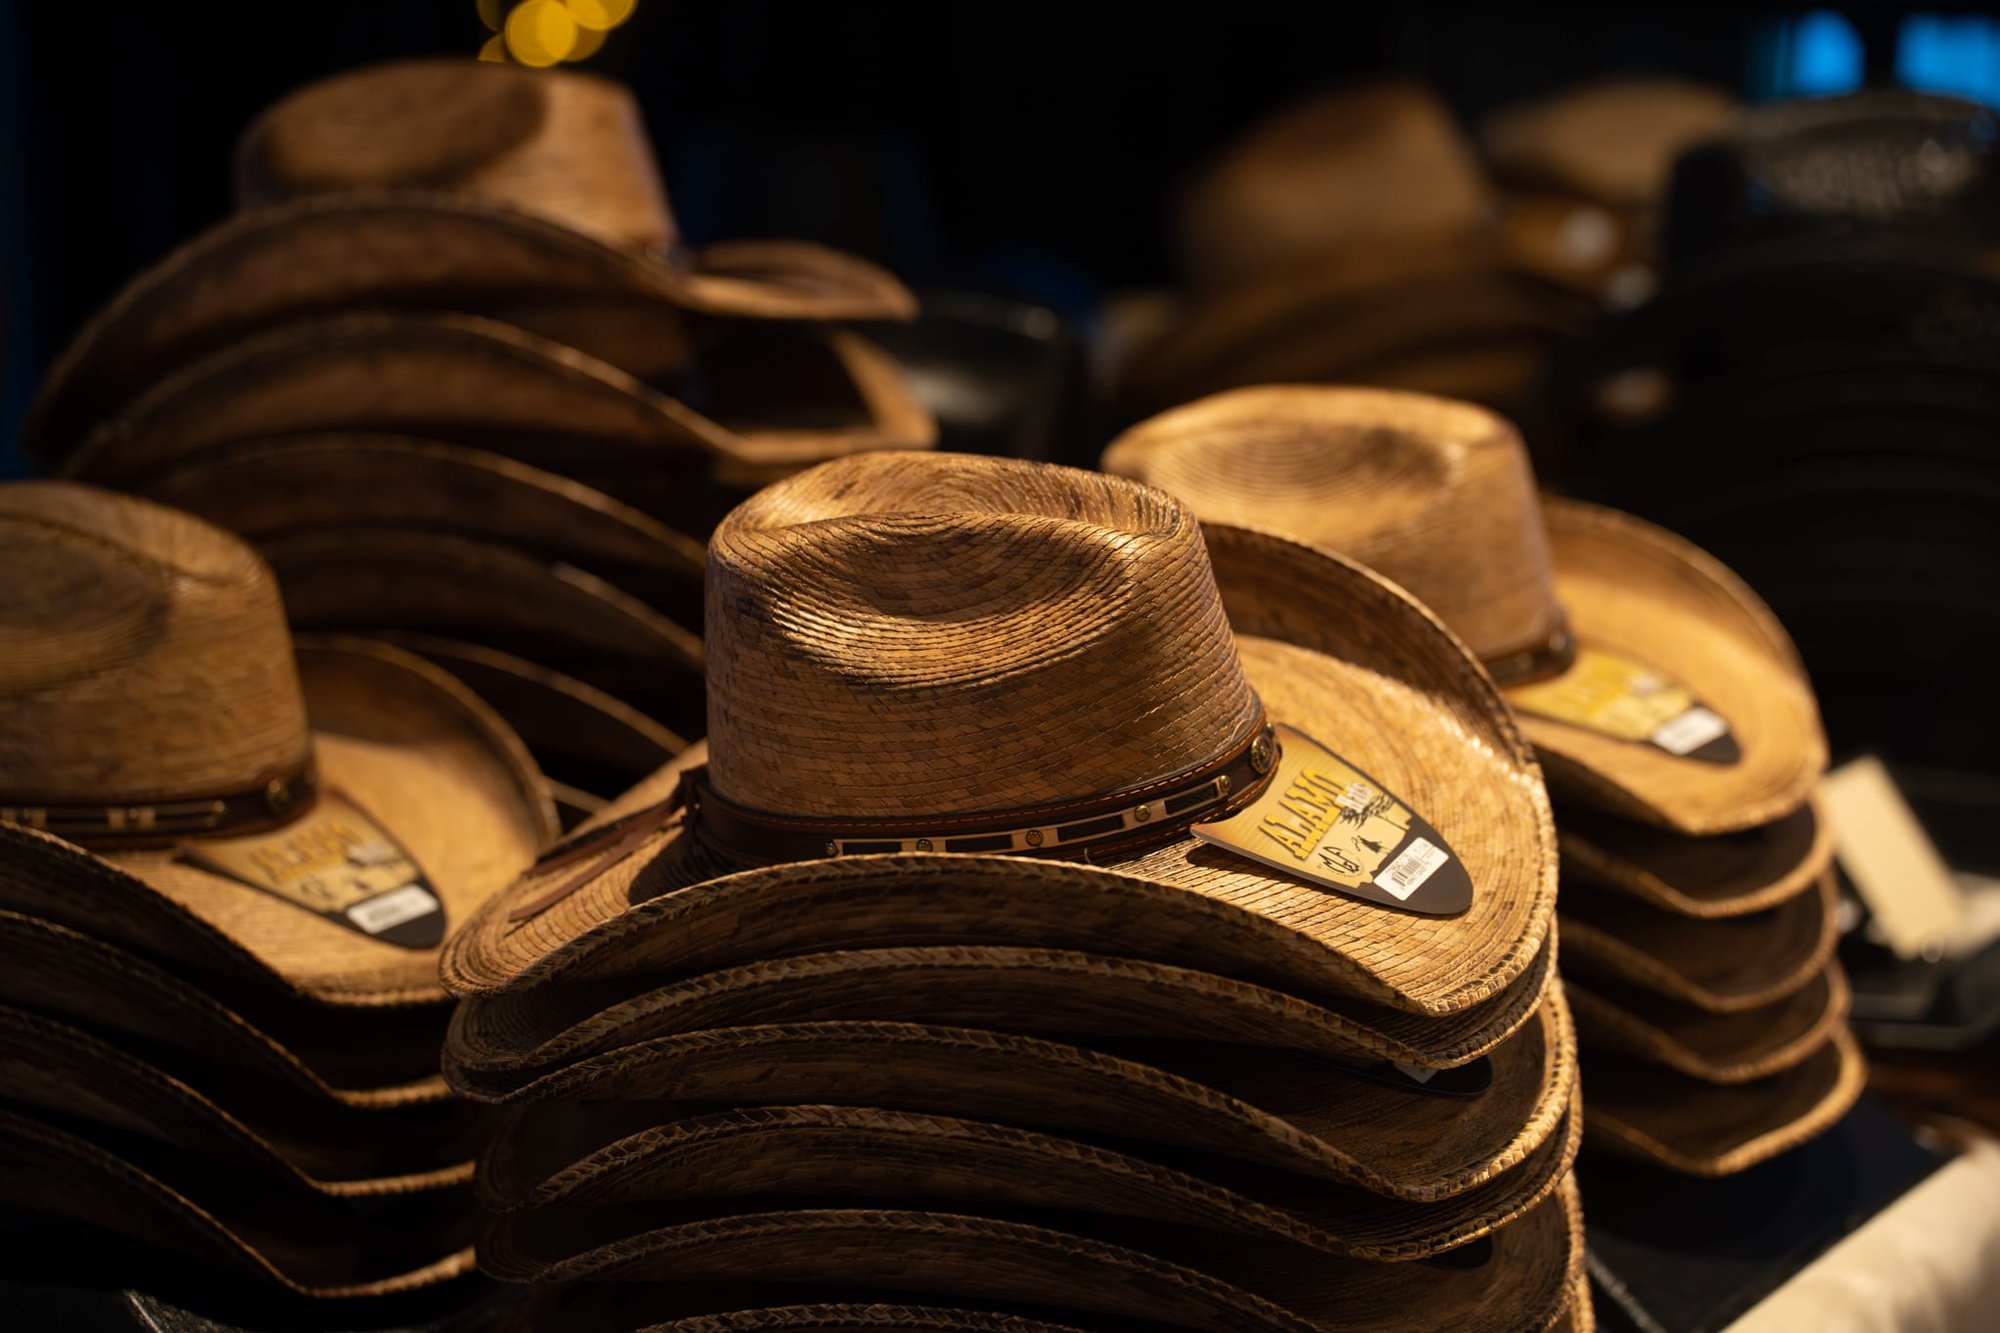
x,y
495,49
541,32
489,14
600,15
589,41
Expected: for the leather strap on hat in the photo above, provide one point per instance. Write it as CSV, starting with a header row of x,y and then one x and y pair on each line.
x,y
1549,658
138,825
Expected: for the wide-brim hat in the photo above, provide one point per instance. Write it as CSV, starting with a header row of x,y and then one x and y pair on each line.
x,y
1180,1276
395,580
1715,1048
354,1059
298,1141
1332,650
1390,1135
400,740
1721,966
472,380
197,1211
1639,1109
502,1042
1724,875
1575,608
266,489
839,1154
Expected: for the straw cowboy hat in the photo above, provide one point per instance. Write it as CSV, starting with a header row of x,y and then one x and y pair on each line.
x,y
833,1154
1183,1277
1723,966
443,184
963,599
1725,875
1715,1048
194,1210
479,381
315,827
1638,1109
1652,682
1613,142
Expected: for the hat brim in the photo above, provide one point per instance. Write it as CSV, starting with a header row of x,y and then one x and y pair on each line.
x,y
415,250
1723,967
1179,1276
1333,650
470,380
1715,1048
296,1240
1273,1108
1636,590
499,1043
1705,1129
1725,875
403,741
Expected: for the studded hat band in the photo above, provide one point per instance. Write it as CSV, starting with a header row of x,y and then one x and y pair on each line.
x,y
1549,658
136,825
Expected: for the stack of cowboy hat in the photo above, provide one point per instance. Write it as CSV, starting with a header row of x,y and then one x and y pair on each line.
x,y
227,866
451,321
1584,173
1074,911
1677,732
1811,395
1352,237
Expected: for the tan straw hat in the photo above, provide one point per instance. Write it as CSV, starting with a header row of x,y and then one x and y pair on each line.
x,y
1641,1110
1184,1277
837,1154
1612,142
969,601
1390,1135
318,826
500,1042
1723,967
1724,875
1716,1048
452,185
1652,682
194,1210
476,381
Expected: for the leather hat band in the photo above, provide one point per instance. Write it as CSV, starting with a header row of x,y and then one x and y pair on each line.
x,y
1550,658
137,825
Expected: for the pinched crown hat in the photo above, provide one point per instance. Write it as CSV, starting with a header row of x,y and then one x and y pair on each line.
x,y
917,654
1652,682
173,782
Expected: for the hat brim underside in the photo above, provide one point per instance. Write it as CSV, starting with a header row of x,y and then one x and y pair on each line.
x,y
1723,966
1633,589
401,740
407,249
1276,1109
1706,1129
1715,1048
1726,875
1351,661
1181,1276
500,1043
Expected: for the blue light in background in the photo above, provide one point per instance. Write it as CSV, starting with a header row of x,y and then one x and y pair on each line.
x,y
1956,54
1823,57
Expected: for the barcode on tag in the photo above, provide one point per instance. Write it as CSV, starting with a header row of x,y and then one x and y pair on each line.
x,y
1690,731
1412,1073
388,910
1407,873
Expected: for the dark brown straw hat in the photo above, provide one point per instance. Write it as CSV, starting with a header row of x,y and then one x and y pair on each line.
x,y
477,381
861,1155
1277,1109
445,185
302,1242
1652,681
1721,966
966,599
1725,875
1180,1276
501,1042
180,787
1716,1048
1641,1110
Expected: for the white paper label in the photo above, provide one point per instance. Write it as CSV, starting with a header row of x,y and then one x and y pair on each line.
x,y
1690,731
1414,1074
392,909
1407,873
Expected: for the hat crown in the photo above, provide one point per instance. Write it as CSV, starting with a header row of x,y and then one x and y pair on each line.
x,y
143,654
1436,494
901,635
568,147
